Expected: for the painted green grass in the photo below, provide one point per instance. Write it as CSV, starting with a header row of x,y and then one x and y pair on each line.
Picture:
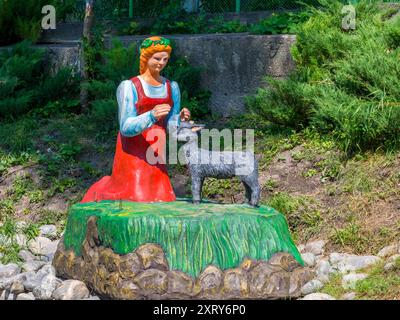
x,y
193,236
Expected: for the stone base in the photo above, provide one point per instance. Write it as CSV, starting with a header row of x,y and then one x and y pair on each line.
x,y
145,274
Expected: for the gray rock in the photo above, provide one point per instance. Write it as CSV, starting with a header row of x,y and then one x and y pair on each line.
x,y
324,268
323,278
388,251
389,266
349,296
25,255
315,247
26,296
311,287
31,280
21,224
21,240
71,290
335,258
354,263
309,259
48,230
43,246
33,265
17,287
318,296
47,269
9,270
349,280
48,285
6,283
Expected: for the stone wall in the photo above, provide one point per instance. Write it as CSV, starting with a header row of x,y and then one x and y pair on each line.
x,y
233,65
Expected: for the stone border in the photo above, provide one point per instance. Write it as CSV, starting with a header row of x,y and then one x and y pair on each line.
x,y
145,274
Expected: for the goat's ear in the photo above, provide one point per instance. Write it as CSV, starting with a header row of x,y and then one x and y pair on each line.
x,y
195,129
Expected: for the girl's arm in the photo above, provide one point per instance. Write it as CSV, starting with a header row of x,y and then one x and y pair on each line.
x,y
173,120
131,124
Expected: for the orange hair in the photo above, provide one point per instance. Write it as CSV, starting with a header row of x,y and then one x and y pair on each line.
x,y
147,53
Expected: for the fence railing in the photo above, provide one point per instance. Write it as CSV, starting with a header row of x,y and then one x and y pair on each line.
x,y
108,9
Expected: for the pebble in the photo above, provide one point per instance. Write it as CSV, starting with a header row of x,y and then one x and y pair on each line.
x,y
48,230
348,296
31,280
324,268
48,285
33,265
21,240
25,255
388,251
26,296
9,270
43,246
315,247
354,263
21,224
311,287
17,287
335,258
349,280
309,259
389,266
318,296
71,290
323,278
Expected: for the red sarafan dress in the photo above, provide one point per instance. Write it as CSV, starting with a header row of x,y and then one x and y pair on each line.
x,y
133,178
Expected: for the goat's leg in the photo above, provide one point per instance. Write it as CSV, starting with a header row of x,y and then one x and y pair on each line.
x,y
196,189
247,191
252,189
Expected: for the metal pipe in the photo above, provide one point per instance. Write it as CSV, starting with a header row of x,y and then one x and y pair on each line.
x,y
130,8
237,6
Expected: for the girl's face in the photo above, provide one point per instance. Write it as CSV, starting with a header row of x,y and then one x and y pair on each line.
x,y
158,61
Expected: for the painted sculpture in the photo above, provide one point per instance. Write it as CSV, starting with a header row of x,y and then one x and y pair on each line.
x,y
130,238
147,105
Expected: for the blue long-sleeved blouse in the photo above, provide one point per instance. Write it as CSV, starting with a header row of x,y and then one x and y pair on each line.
x,y
132,124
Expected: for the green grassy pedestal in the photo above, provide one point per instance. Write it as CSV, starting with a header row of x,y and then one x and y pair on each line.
x,y
192,236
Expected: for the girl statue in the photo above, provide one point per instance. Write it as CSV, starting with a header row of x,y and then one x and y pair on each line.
x,y
148,104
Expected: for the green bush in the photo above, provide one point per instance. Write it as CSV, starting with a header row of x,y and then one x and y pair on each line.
x,y
346,82
26,84
21,19
280,23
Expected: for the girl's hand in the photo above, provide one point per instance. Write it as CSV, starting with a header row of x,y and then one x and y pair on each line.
x,y
161,110
184,114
